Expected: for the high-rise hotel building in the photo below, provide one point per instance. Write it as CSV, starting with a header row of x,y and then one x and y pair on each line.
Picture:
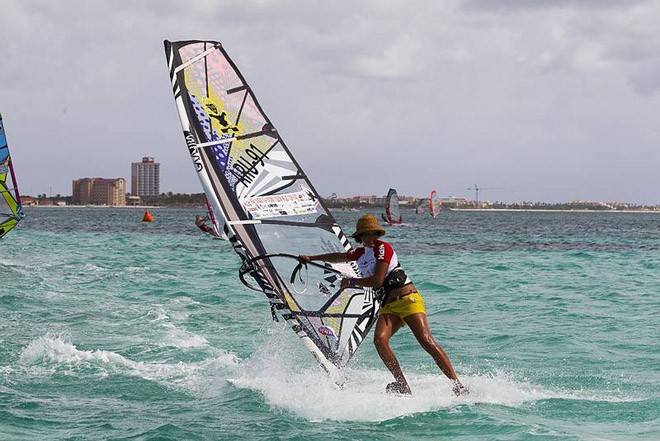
x,y
99,191
145,177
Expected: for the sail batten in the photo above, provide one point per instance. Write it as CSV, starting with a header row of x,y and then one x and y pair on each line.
x,y
265,203
194,59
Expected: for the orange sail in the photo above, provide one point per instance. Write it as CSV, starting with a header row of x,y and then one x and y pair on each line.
x,y
147,217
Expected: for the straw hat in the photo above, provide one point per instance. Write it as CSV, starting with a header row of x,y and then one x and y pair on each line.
x,y
366,224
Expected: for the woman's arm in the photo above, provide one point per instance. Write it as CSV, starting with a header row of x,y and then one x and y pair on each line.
x,y
374,281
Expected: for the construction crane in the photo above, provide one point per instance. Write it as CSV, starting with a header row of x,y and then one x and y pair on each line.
x,y
476,189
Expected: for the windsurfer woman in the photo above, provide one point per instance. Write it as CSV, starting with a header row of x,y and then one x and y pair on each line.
x,y
199,221
402,304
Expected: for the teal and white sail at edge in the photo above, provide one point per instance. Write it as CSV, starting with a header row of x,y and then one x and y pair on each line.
x,y
11,210
266,205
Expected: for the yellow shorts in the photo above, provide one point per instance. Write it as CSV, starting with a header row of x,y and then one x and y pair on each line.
x,y
405,306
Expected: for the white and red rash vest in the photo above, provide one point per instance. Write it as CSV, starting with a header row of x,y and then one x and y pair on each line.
x,y
367,258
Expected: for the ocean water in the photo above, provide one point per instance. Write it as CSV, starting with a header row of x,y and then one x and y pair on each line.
x,y
115,329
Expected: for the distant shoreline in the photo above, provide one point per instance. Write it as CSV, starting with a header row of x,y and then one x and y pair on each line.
x,y
486,210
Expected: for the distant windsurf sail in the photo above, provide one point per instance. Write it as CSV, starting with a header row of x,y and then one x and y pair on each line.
x,y
11,210
434,204
269,208
392,211
217,227
422,206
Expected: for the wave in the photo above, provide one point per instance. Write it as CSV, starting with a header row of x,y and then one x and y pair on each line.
x,y
284,374
363,397
55,355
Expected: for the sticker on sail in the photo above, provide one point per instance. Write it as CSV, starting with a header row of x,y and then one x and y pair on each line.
x,y
289,204
327,331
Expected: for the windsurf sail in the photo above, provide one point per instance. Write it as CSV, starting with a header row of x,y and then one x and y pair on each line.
x,y
392,211
422,206
434,204
217,228
11,210
267,206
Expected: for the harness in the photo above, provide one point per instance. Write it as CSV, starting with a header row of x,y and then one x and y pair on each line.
x,y
397,278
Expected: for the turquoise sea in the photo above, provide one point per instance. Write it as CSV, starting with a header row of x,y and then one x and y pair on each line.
x,y
111,328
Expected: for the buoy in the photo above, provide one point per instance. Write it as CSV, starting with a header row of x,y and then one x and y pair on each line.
x,y
147,217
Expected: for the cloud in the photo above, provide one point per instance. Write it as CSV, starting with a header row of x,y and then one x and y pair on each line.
x,y
414,95
522,6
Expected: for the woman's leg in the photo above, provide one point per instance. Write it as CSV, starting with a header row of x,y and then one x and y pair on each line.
x,y
420,328
386,326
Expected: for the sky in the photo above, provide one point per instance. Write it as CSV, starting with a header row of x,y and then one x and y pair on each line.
x,y
551,101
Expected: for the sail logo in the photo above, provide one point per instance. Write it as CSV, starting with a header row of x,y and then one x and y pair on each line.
x,y
381,252
219,116
245,166
194,154
327,331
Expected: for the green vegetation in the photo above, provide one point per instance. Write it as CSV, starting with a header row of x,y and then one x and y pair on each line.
x,y
171,199
198,199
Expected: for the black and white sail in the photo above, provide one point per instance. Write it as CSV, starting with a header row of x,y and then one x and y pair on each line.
x,y
265,203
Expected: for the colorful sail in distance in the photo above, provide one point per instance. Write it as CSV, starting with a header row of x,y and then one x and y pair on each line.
x,y
265,203
422,206
11,210
392,211
219,233
430,205
434,204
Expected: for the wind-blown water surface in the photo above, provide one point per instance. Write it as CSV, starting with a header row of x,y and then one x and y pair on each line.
x,y
111,328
